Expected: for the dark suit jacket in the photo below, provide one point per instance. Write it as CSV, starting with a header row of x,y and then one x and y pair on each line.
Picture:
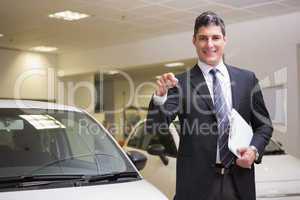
x,y
192,103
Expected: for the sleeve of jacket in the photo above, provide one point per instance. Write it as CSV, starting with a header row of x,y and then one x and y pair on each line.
x,y
260,120
160,116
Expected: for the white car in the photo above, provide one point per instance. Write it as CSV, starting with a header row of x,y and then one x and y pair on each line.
x,y
277,178
49,151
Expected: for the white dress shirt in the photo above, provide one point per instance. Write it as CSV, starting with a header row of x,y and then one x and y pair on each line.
x,y
224,79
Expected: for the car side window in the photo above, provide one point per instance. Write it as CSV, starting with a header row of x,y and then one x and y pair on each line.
x,y
142,140
136,141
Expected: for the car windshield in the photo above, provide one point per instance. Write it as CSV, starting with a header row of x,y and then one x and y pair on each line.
x,y
51,142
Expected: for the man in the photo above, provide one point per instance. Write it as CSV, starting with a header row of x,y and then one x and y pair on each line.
x,y
202,99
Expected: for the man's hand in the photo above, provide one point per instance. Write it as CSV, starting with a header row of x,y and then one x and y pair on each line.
x,y
165,82
247,157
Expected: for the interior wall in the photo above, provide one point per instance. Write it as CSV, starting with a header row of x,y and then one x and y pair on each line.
x,y
27,75
79,91
136,94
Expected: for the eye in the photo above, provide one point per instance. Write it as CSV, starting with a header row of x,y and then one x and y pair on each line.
x,y
202,38
216,37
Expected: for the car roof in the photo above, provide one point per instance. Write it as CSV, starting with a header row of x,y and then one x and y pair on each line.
x,y
31,104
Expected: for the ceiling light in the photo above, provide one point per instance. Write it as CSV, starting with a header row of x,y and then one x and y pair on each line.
x,y
44,49
68,15
1,35
175,64
113,72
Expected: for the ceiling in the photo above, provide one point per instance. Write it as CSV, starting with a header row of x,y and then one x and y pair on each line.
x,y
25,23
157,69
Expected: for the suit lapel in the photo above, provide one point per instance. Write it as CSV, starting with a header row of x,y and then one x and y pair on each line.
x,y
198,82
233,74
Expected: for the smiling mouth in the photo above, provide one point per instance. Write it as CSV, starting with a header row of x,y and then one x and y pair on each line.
x,y
209,52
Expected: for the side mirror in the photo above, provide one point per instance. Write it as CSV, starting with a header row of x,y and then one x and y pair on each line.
x,y
138,159
158,150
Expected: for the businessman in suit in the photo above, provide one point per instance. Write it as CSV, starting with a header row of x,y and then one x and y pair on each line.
x,y
202,99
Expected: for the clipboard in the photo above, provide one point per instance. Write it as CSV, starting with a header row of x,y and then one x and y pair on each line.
x,y
240,133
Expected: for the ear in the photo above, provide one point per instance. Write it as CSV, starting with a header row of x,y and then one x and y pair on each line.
x,y
225,39
194,39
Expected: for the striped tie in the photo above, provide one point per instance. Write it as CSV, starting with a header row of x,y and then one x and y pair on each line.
x,y
221,111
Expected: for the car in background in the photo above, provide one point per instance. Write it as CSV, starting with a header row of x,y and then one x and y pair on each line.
x,y
277,178
50,151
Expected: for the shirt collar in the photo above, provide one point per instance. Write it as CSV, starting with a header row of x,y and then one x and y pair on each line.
x,y
205,68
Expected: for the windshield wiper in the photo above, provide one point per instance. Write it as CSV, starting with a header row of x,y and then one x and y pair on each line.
x,y
36,180
75,180
115,176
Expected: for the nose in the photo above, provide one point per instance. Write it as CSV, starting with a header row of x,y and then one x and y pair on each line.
x,y
209,43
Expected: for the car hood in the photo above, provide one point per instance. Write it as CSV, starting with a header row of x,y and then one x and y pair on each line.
x,y
278,176
126,191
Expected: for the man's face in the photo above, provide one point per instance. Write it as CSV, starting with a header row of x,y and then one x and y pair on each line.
x,y
209,42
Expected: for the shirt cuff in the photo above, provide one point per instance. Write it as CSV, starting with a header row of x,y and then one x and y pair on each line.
x,y
256,152
159,100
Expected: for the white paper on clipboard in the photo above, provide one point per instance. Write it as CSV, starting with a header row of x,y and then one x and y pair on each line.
x,y
240,133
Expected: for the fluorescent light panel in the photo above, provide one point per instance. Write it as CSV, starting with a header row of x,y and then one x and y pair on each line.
x,y
68,15
44,49
175,64
113,72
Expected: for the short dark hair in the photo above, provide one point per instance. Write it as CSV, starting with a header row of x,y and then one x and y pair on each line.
x,y
209,18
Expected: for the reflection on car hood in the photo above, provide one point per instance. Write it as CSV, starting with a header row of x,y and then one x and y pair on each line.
x,y
278,176
126,191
